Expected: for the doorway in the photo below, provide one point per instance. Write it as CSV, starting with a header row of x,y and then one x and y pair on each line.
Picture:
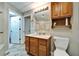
x,y
27,25
14,28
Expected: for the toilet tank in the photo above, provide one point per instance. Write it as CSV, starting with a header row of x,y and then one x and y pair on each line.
x,y
61,42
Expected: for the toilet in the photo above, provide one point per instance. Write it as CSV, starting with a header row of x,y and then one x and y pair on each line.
x,y
61,45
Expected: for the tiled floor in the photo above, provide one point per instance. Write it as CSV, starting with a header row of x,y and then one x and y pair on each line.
x,y
16,50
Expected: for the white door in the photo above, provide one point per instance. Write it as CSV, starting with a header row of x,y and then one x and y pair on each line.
x,y
15,29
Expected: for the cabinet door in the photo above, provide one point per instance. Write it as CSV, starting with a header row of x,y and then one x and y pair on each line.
x,y
34,46
66,9
56,10
42,47
27,43
42,50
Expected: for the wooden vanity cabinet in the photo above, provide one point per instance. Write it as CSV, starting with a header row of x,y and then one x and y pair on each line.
x,y
37,46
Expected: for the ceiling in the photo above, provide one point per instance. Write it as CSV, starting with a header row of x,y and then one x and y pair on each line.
x,y
25,6
21,5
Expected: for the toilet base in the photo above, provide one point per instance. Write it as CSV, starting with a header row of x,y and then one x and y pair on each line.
x,y
60,52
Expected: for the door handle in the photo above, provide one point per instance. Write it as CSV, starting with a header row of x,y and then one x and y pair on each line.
x,y
11,31
19,28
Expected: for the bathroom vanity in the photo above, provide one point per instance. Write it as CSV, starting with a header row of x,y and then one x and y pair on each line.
x,y
38,45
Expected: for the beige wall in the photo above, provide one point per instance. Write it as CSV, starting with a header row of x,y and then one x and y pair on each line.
x,y
4,36
74,42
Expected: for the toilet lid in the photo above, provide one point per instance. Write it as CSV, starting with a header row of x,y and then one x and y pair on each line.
x,y
59,52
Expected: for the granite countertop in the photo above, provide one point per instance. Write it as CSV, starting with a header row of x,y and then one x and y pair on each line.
x,y
39,36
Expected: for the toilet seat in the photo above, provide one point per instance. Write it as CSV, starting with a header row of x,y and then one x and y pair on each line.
x,y
59,52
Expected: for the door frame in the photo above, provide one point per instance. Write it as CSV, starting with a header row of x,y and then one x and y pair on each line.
x,y
24,24
9,24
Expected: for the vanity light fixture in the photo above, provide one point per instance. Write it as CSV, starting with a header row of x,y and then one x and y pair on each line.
x,y
42,9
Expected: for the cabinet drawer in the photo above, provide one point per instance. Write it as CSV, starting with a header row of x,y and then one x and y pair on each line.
x,y
33,42
42,42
